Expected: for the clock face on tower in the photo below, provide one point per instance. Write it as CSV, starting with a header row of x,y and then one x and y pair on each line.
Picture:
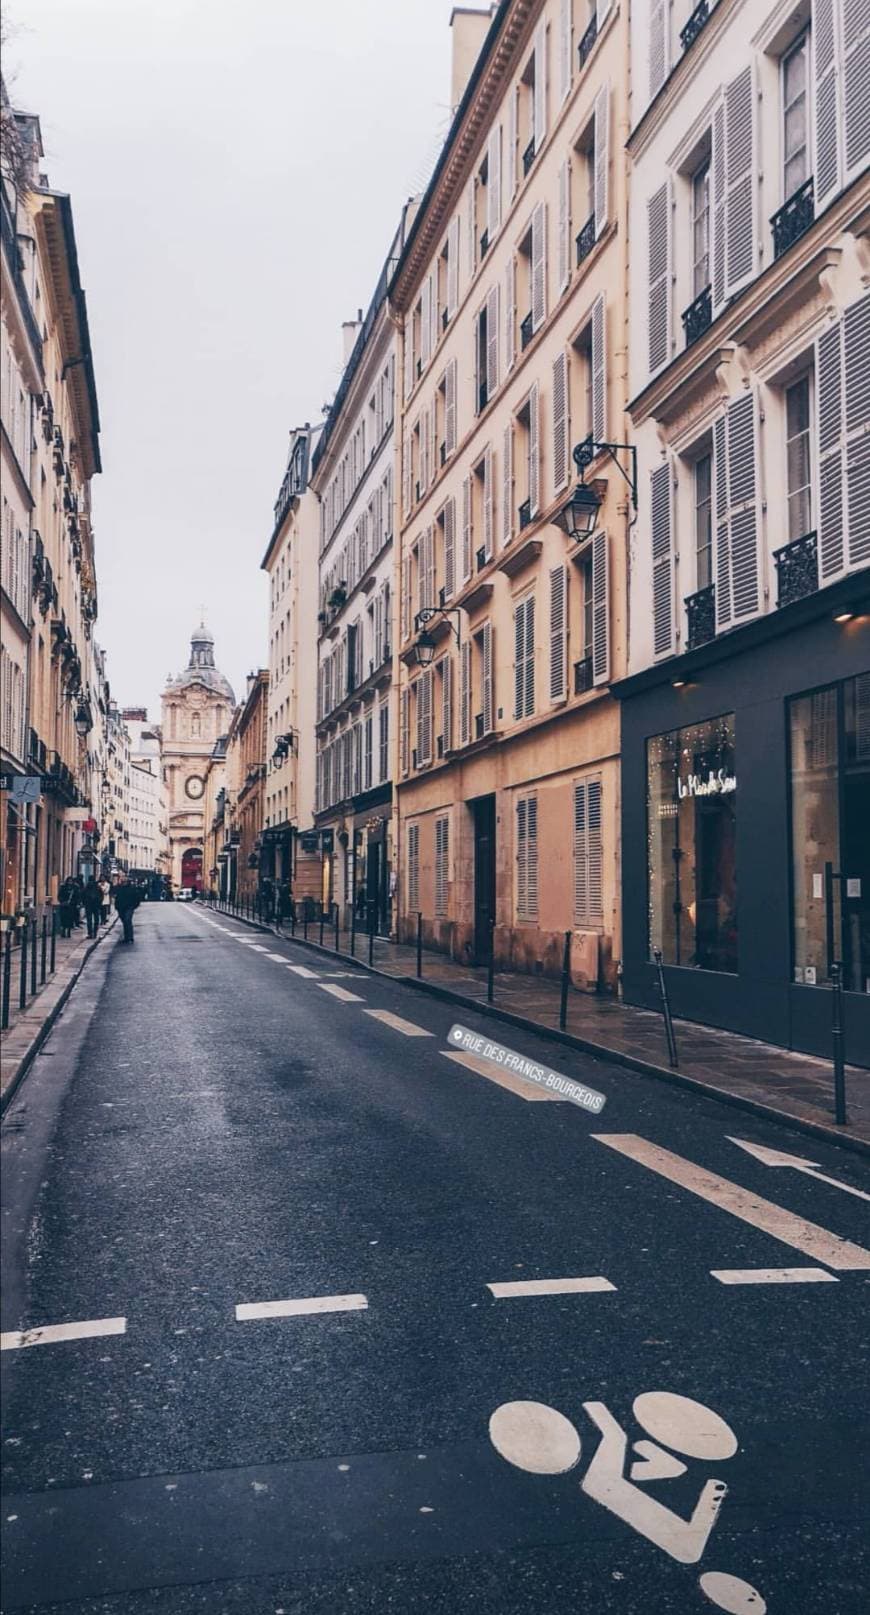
x,y
194,787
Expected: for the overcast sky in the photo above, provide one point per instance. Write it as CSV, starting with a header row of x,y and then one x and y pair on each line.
x,y
236,171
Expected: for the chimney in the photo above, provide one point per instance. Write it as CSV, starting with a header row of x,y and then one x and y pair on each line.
x,y
349,333
470,28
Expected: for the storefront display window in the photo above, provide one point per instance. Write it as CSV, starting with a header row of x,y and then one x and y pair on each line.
x,y
829,736
691,828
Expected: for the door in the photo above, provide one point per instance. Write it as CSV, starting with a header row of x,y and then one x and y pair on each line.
x,y
483,809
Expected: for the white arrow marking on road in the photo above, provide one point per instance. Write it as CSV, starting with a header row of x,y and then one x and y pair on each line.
x,y
770,1157
807,1237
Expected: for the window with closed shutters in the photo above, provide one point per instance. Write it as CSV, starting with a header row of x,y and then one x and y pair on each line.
x,y
413,881
383,741
588,901
442,853
524,657
527,858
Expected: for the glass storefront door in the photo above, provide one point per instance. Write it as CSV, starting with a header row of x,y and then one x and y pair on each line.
x,y
829,737
692,847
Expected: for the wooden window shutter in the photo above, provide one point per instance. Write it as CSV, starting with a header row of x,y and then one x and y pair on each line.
x,y
855,19
406,474
826,174
367,775
659,45
532,861
511,163
507,485
450,549
563,242
467,533
388,501
453,267
414,868
510,313
522,846
560,421
856,356
599,371
450,408
519,653
441,856
492,302
539,265
529,661
447,702
842,414
465,693
558,633
717,206
493,183
406,597
600,609
723,539
408,355
425,320
742,502
527,858
540,95
434,329
659,281
487,681
472,228
602,158
431,591
424,451
404,727
417,688
740,182
661,525
588,861
488,501
564,49
534,451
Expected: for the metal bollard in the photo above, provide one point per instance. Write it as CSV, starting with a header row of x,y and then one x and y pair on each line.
x,y
419,943
353,929
53,938
33,958
337,937
44,950
566,981
666,1009
305,923
22,982
371,919
837,1041
7,981
490,963
293,920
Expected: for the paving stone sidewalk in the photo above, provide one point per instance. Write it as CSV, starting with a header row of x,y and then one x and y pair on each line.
x,y
28,1027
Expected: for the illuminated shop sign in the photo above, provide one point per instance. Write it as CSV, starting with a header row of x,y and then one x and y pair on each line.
x,y
717,783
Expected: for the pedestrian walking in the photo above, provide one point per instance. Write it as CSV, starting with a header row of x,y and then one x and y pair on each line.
x,y
65,904
127,900
105,899
76,900
92,898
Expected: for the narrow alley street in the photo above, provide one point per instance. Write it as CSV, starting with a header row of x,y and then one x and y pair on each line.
x,y
221,1121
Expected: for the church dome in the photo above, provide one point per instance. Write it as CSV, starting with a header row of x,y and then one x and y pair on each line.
x,y
201,668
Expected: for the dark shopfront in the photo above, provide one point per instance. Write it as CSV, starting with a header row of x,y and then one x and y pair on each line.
x,y
746,825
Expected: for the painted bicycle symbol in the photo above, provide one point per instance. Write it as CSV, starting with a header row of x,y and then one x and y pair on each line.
x,y
540,1440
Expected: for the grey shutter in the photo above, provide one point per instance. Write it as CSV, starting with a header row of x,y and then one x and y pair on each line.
x,y
507,486
408,355
512,142
405,622
467,535
418,697
539,265
493,183
661,523
441,845
414,868
826,177
404,728
588,904
856,86
510,313
829,424
522,850
492,342
488,693
406,473
534,451
599,372
488,501
425,320
856,355
450,548
581,873
472,228
558,633
723,537
600,609
742,500
740,182
602,158
519,650
659,45
659,271
564,49
717,206
540,95
560,421
447,702
464,693
532,856
563,243
450,408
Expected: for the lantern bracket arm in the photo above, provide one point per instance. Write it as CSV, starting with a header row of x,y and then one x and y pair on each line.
x,y
584,453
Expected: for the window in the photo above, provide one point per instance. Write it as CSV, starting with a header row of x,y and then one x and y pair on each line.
x,y
829,732
798,462
588,910
480,357
704,522
524,657
691,828
413,868
527,858
384,741
442,850
701,230
795,117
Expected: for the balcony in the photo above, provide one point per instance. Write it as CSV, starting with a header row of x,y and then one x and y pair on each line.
x,y
588,40
698,316
797,569
699,17
484,244
794,218
583,675
526,331
525,513
529,155
586,240
701,617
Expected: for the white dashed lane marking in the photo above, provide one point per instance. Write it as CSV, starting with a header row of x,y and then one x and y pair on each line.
x,y
250,1310
278,957
484,1068
773,1275
550,1287
51,1333
340,992
302,970
407,1028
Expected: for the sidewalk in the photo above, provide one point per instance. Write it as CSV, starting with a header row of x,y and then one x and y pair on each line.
x,y
28,1028
754,1075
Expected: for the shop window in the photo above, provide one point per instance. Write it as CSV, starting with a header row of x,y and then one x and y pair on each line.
x,y
692,821
829,734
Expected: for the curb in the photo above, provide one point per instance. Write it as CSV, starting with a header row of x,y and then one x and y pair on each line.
x,y
828,1133
28,1058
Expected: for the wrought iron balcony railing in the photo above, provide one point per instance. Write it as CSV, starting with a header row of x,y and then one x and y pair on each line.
x,y
701,617
525,513
797,569
699,17
526,332
698,316
588,40
583,675
794,218
529,155
586,240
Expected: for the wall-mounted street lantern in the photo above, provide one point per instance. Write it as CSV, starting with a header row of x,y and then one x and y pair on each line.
x,y
83,721
426,644
579,514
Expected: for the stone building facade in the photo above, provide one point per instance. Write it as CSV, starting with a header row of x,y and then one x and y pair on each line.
x,y
197,707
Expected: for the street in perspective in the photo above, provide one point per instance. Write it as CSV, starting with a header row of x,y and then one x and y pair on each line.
x,y
435,899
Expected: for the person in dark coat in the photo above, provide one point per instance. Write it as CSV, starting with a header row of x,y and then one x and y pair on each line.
x,y
127,900
65,905
93,901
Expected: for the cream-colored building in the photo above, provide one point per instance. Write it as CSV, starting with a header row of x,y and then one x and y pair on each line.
x,y
290,562
116,843
196,708
149,840
511,292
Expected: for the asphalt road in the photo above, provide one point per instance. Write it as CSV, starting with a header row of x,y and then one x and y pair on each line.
x,y
209,1129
